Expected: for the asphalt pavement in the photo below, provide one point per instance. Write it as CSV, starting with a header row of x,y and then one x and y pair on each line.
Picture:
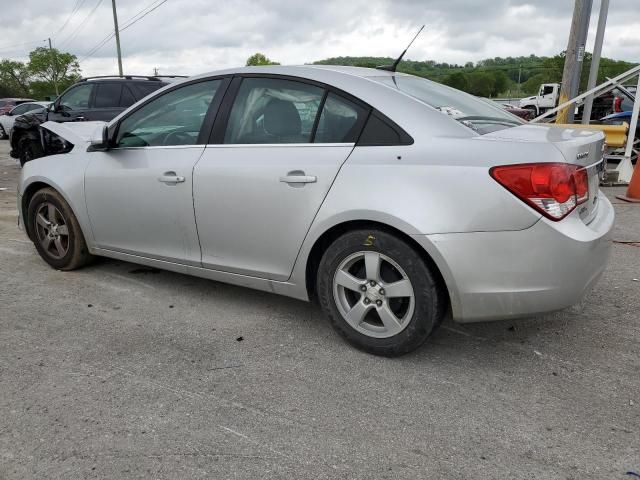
x,y
119,371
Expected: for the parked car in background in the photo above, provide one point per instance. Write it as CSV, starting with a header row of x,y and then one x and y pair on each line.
x,y
389,198
92,98
520,112
7,104
7,120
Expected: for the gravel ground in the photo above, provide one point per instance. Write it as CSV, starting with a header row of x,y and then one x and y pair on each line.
x,y
115,371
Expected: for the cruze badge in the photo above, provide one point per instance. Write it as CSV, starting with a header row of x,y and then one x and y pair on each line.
x,y
582,155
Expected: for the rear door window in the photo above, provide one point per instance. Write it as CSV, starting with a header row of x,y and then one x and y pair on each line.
x,y
24,108
127,99
108,95
340,121
271,110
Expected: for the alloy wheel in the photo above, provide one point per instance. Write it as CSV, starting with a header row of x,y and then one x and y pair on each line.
x,y
373,294
52,230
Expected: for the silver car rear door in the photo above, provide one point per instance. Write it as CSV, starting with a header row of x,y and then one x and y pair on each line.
x,y
259,186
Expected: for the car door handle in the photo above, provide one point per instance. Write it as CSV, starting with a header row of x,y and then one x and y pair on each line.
x,y
298,177
171,177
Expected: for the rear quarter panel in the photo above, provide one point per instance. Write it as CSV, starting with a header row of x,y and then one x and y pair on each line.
x,y
437,186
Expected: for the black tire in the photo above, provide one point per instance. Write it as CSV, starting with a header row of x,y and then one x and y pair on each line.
x,y
429,301
3,134
75,252
29,148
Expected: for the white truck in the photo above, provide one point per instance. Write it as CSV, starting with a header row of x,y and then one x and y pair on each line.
x,y
548,97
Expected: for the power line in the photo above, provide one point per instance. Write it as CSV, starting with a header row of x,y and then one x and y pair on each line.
x,y
8,47
127,23
81,25
76,7
130,22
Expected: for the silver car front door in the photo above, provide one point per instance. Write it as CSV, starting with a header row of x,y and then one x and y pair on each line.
x,y
256,194
139,194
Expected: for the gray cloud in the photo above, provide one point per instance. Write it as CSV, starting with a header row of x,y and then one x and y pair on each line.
x,y
190,36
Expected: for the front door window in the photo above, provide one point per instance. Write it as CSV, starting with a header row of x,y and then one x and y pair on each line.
x,y
174,118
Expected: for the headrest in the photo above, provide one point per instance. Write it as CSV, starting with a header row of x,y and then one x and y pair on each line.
x,y
281,118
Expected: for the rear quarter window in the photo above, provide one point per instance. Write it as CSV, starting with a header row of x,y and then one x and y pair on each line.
x,y
141,90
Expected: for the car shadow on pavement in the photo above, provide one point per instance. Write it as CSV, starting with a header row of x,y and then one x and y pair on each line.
x,y
480,342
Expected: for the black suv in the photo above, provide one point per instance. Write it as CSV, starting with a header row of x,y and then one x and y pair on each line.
x,y
92,98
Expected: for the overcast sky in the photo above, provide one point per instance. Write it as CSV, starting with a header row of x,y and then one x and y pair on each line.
x,y
192,36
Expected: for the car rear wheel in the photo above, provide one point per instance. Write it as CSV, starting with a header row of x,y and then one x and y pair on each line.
x,y
29,149
378,293
55,231
3,133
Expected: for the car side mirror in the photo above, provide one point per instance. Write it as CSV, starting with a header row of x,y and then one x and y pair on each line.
x,y
99,140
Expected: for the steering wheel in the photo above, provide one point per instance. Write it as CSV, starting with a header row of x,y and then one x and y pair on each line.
x,y
177,138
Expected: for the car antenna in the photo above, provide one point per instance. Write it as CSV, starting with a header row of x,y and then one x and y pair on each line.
x,y
394,65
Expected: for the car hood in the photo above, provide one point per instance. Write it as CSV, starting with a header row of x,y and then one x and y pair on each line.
x,y
74,132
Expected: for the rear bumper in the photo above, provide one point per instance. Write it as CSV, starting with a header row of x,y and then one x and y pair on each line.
x,y
547,267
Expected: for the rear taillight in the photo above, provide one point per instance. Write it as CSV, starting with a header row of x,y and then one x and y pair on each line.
x,y
617,104
553,189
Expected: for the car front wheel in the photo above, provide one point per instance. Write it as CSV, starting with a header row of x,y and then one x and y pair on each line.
x,y
379,293
55,231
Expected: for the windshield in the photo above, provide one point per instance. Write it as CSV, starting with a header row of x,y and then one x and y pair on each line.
x,y
477,114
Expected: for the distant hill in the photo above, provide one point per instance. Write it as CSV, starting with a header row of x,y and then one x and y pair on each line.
x,y
510,76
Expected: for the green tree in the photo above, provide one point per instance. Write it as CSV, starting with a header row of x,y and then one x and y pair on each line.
x,y
500,83
481,84
14,78
259,59
53,66
457,80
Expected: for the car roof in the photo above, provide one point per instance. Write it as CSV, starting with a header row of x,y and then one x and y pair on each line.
x,y
307,71
13,99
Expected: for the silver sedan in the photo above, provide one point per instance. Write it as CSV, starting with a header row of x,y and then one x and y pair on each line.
x,y
388,198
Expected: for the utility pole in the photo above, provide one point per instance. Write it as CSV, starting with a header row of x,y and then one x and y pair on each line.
x,y
117,31
573,58
519,75
595,60
55,67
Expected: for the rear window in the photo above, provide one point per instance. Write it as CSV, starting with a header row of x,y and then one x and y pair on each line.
x,y
471,111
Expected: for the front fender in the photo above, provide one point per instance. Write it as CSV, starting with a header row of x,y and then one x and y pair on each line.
x,y
65,174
